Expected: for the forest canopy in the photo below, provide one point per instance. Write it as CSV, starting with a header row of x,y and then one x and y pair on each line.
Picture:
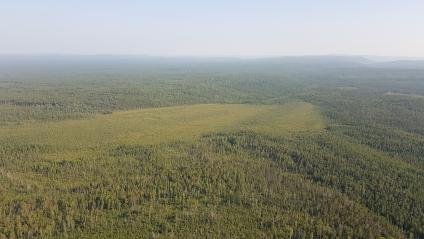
x,y
93,147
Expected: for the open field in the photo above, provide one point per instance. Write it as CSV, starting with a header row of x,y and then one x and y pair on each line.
x,y
403,94
159,125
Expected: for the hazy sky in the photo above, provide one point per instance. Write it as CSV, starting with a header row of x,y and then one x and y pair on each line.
x,y
212,27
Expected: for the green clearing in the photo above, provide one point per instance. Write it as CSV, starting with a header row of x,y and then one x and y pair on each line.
x,y
403,94
160,125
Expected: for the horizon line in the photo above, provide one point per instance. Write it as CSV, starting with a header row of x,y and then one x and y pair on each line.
x,y
214,56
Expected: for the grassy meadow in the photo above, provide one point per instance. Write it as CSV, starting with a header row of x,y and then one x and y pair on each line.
x,y
161,125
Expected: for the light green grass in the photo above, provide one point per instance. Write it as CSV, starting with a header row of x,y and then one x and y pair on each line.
x,y
347,88
403,94
151,126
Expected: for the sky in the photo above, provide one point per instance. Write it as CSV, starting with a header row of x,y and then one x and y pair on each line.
x,y
213,27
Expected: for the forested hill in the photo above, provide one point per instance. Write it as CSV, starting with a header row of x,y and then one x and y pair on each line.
x,y
130,147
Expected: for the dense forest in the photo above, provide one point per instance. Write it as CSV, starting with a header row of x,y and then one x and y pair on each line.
x,y
97,147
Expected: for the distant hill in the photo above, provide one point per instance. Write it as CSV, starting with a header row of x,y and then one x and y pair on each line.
x,y
63,63
401,64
